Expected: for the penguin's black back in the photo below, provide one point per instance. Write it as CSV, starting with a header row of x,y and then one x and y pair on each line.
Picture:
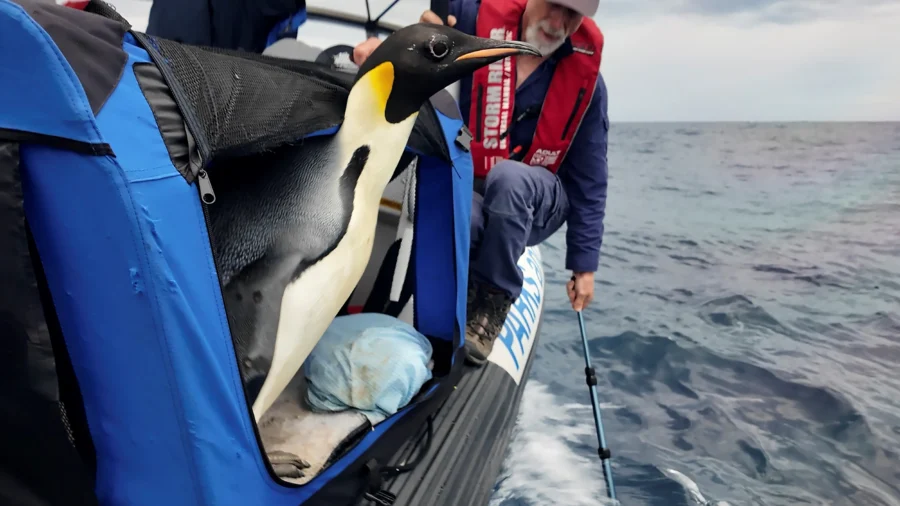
x,y
291,199
274,216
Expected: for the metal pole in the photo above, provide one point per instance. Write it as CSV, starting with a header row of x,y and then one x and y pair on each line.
x,y
591,379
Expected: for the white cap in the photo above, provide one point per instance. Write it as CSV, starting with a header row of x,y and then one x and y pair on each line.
x,y
584,7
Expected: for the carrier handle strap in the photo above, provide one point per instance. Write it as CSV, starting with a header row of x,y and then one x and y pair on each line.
x,y
377,473
393,471
374,492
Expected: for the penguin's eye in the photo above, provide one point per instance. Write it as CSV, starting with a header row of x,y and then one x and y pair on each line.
x,y
438,48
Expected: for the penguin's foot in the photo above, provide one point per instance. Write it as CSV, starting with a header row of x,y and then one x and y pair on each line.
x,y
287,465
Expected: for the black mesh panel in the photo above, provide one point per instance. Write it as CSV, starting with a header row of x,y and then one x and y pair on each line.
x,y
426,138
237,107
239,104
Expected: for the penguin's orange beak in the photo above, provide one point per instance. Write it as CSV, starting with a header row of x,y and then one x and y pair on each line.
x,y
498,49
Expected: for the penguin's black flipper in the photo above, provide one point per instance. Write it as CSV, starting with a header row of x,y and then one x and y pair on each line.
x,y
276,202
274,214
253,300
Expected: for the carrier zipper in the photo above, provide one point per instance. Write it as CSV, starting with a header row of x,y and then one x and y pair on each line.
x,y
206,190
574,111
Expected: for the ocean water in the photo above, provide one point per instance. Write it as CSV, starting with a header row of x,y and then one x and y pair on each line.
x,y
746,326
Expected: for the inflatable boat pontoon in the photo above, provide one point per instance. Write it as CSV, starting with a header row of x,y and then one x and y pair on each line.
x,y
120,383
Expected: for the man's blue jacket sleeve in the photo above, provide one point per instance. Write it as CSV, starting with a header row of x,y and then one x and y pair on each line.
x,y
464,11
584,175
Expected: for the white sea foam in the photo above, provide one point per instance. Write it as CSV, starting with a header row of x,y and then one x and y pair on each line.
x,y
542,465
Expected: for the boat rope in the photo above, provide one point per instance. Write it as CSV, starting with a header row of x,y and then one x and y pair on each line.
x,y
371,25
439,7
591,379
385,11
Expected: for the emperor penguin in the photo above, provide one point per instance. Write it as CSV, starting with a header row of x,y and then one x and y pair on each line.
x,y
292,240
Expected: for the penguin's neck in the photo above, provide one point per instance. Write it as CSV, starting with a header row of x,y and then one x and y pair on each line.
x,y
365,125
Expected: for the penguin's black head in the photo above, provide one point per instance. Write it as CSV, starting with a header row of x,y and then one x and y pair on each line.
x,y
419,60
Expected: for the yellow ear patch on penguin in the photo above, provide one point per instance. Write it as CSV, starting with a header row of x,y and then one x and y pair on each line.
x,y
381,79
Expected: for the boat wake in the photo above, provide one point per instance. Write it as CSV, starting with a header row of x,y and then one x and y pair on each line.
x,y
546,462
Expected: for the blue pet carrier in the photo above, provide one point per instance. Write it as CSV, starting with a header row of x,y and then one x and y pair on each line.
x,y
106,231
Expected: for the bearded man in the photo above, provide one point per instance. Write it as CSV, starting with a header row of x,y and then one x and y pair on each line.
x,y
539,130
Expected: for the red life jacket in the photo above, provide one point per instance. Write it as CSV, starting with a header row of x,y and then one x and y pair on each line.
x,y
494,89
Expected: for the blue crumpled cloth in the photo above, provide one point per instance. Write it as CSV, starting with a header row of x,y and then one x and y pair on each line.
x,y
370,362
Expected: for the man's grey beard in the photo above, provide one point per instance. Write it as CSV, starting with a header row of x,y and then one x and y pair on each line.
x,y
534,38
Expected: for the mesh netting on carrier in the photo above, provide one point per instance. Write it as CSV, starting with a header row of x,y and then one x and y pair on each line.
x,y
239,104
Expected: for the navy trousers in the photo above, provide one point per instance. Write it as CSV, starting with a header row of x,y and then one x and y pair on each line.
x,y
521,206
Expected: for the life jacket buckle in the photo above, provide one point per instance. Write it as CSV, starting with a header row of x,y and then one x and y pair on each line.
x,y
464,138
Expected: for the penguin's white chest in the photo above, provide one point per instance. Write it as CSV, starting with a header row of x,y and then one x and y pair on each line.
x,y
331,280
311,301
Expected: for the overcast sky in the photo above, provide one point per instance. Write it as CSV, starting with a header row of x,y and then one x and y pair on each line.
x,y
712,60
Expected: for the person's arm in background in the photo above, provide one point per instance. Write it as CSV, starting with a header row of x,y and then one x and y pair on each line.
x,y
365,48
584,175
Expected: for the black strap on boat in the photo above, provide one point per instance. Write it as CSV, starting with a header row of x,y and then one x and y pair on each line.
x,y
374,492
394,471
377,474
